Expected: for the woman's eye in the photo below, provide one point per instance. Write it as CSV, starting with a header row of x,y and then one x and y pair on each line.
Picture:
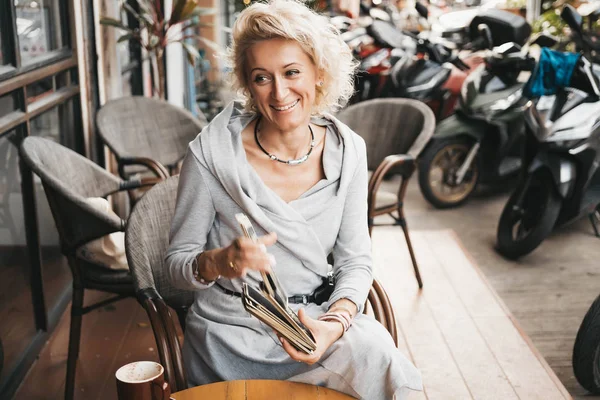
x,y
292,72
260,79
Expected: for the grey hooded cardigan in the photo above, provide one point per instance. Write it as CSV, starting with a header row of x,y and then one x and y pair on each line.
x,y
222,341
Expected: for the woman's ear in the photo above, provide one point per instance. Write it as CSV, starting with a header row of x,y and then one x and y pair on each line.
x,y
321,78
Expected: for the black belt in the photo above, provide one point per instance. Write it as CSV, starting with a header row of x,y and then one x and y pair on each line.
x,y
297,299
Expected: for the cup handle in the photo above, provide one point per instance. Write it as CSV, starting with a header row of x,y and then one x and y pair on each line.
x,y
161,392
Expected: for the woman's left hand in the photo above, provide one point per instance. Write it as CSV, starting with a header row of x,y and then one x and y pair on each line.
x,y
324,332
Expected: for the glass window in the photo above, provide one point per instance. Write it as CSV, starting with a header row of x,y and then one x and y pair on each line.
x,y
7,105
15,290
39,28
4,59
55,268
40,89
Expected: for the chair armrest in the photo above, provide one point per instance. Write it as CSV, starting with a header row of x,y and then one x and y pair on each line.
x,y
157,168
148,299
403,163
138,183
175,346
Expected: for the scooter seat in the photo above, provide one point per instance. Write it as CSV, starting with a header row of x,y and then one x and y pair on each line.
x,y
484,99
387,35
421,74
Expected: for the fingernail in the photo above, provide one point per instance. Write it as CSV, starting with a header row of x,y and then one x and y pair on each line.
x,y
272,260
263,248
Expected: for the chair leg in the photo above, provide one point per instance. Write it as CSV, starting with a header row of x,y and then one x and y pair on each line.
x,y
410,248
74,340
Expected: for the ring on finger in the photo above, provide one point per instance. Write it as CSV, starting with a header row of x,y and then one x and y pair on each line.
x,y
233,266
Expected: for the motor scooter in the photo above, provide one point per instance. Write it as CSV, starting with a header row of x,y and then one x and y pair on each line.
x,y
482,141
559,180
411,66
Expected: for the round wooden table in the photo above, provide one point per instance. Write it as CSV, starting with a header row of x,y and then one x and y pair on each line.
x,y
259,390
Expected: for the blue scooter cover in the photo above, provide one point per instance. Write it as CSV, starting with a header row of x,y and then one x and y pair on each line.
x,y
553,71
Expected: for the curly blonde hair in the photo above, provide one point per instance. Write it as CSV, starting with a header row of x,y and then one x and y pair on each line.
x,y
292,20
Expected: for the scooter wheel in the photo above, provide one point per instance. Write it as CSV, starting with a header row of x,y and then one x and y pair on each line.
x,y
437,172
586,352
524,226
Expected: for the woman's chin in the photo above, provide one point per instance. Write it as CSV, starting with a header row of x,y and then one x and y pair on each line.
x,y
287,121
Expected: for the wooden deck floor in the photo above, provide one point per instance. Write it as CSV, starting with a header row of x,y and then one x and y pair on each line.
x,y
456,330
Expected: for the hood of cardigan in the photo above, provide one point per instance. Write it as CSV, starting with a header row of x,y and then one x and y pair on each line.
x,y
220,150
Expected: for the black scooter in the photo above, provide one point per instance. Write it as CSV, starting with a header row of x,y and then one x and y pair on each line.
x,y
482,141
559,182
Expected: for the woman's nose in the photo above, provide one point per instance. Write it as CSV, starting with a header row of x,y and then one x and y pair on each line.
x,y
279,90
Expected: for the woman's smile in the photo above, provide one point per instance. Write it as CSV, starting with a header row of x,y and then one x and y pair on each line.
x,y
286,107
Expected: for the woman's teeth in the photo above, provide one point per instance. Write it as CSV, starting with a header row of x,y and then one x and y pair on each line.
x,y
286,107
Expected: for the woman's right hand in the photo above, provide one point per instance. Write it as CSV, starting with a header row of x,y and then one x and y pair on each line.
x,y
235,260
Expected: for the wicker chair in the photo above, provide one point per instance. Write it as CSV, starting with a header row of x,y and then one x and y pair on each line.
x,y
147,239
68,179
395,131
148,133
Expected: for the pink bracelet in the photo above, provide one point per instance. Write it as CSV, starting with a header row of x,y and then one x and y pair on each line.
x,y
342,318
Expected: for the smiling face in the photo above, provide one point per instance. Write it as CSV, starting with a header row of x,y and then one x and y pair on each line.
x,y
282,80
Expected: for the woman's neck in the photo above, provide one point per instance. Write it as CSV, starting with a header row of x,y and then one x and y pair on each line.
x,y
291,144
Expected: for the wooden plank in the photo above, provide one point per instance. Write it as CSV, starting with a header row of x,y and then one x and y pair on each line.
x,y
476,362
138,345
426,343
520,360
51,366
99,346
28,78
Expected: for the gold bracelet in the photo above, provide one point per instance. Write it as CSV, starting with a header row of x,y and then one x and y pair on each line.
x,y
196,273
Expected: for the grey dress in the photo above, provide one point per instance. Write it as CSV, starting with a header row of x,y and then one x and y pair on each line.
x,y
222,341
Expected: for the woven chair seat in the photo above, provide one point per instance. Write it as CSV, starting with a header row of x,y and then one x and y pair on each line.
x,y
100,275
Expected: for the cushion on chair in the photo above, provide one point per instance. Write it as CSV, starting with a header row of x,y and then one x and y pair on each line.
x,y
107,251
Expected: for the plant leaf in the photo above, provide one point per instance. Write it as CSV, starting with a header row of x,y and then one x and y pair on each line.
x,y
192,53
125,37
113,22
178,7
187,11
130,10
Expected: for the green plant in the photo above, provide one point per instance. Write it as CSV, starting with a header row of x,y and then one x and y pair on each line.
x,y
516,4
156,32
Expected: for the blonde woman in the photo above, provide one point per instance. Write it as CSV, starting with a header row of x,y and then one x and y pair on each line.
x,y
301,177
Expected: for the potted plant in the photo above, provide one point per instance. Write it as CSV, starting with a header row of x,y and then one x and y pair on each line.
x,y
156,32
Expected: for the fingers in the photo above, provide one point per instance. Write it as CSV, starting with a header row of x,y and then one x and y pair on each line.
x,y
296,354
248,255
268,240
306,320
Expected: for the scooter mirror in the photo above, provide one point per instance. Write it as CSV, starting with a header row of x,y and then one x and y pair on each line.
x,y
381,15
422,10
572,18
545,40
486,34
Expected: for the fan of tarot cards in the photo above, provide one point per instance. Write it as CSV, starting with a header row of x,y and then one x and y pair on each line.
x,y
269,303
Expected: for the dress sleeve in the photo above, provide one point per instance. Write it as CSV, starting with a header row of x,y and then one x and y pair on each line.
x,y
192,221
353,263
